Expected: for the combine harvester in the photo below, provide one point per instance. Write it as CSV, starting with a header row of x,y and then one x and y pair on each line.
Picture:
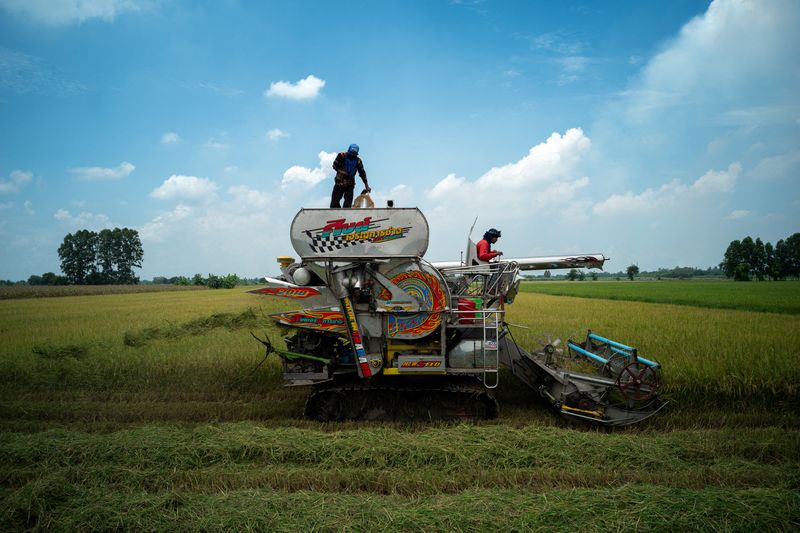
x,y
386,335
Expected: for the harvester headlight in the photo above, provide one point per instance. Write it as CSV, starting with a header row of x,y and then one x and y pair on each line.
x,y
301,276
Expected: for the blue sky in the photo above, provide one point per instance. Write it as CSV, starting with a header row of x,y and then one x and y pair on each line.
x,y
654,132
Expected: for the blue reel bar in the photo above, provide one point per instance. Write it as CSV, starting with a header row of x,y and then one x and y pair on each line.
x,y
639,358
615,344
616,347
587,353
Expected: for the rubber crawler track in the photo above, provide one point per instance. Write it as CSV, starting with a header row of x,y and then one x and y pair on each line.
x,y
403,399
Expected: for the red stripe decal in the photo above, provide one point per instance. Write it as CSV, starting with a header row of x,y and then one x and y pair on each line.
x,y
366,371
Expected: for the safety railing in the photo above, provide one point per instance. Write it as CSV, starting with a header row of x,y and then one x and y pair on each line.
x,y
488,280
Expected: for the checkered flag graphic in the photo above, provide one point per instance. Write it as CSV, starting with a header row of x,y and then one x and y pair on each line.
x,y
320,244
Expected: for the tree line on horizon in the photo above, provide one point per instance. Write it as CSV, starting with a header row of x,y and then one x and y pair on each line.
x,y
109,257
750,258
632,271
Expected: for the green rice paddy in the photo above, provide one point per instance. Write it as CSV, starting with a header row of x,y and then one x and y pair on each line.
x,y
146,412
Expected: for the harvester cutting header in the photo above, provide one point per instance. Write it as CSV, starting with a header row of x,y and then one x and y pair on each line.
x,y
387,335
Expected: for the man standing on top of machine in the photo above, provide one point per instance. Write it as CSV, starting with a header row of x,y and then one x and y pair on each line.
x,y
346,165
484,246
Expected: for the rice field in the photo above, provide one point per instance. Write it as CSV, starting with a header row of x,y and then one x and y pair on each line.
x,y
148,411
50,291
770,296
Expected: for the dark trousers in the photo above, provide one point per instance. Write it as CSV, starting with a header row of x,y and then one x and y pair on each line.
x,y
342,190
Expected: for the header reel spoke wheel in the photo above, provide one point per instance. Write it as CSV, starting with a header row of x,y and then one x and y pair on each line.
x,y
551,349
638,382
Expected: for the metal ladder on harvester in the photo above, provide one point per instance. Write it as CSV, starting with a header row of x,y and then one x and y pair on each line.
x,y
491,319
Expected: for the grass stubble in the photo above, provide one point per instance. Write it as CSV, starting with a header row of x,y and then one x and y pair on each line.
x,y
141,411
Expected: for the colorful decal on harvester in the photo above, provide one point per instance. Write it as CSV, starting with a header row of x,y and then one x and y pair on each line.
x,y
339,233
355,338
319,320
428,291
421,364
295,293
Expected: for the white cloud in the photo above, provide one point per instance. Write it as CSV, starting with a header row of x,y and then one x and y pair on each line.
x,y
617,204
84,220
214,144
170,138
718,180
156,229
557,42
25,74
64,12
401,194
572,68
20,177
566,52
545,164
446,187
309,177
778,167
538,186
7,205
723,57
549,161
16,180
185,188
227,236
670,194
739,213
230,169
306,89
223,91
28,205
246,199
123,170
276,134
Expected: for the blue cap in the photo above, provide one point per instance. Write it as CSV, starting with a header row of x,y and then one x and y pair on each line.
x,y
353,149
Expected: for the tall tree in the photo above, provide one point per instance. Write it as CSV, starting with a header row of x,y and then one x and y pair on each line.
x,y
781,259
632,271
759,259
738,259
773,270
128,254
108,257
78,254
748,254
793,255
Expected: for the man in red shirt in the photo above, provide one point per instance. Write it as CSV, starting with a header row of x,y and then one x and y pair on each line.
x,y
484,246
